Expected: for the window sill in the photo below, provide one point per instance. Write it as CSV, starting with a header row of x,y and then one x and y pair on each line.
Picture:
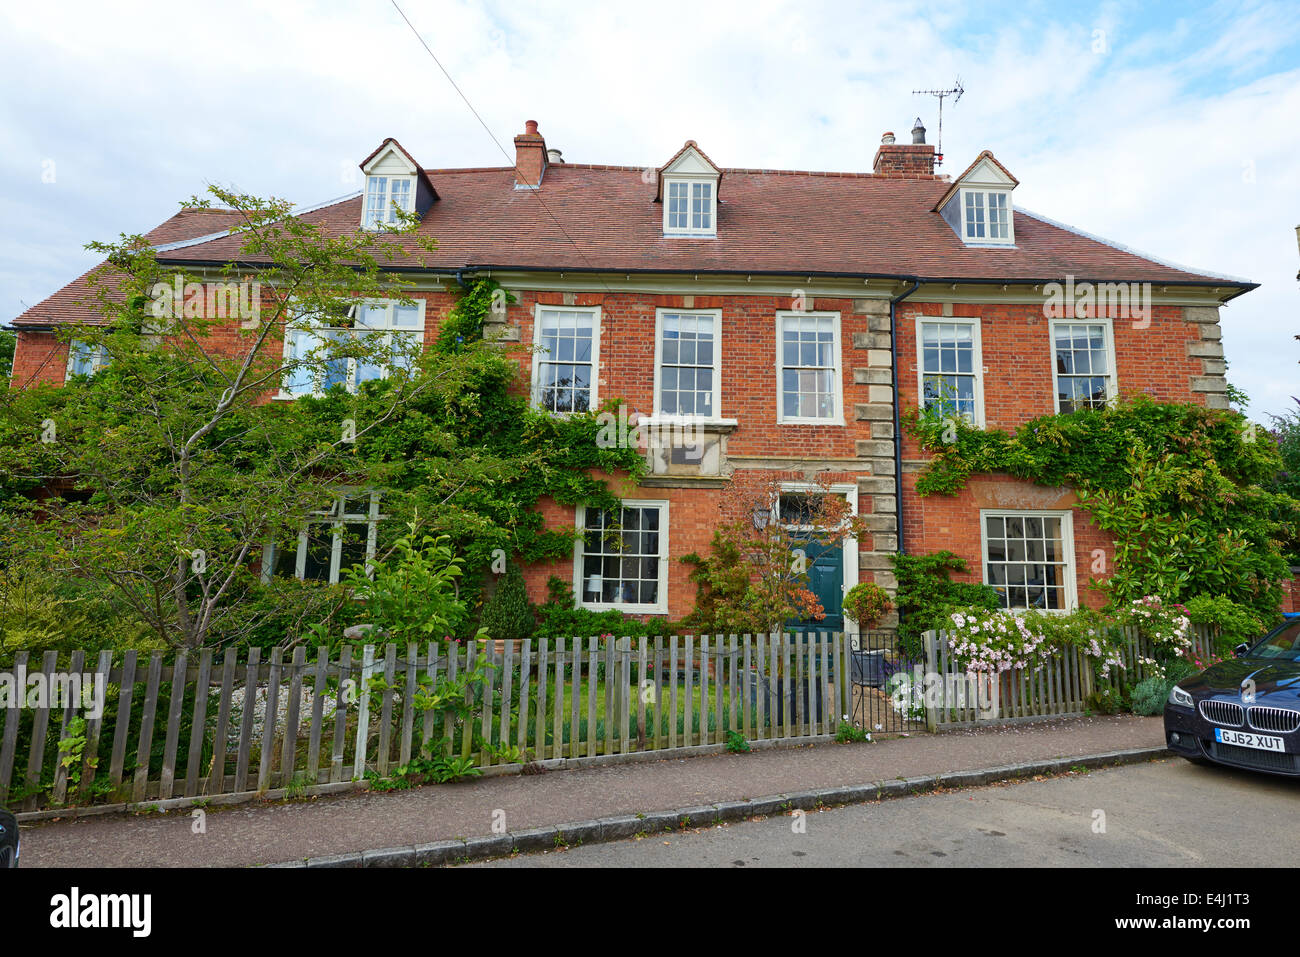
x,y
689,421
562,415
824,422
627,609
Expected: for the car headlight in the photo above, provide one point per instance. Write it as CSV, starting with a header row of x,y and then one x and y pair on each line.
x,y
1179,697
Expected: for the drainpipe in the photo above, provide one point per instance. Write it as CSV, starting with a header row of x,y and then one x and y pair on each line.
x,y
898,432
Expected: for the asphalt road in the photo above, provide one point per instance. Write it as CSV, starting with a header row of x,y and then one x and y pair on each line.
x,y
1167,813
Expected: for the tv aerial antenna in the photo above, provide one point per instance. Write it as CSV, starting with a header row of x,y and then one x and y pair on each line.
x,y
956,92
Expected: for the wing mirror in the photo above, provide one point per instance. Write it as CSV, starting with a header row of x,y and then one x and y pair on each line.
x,y
1240,650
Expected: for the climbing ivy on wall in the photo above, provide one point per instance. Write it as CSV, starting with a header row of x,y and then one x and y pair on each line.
x,y
470,458
1183,490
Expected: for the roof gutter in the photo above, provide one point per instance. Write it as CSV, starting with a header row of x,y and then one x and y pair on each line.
x,y
452,271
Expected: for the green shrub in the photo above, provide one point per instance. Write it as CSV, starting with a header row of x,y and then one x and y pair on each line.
x,y
1150,694
412,595
736,743
508,614
560,619
39,613
1286,430
1234,622
927,595
848,733
1106,701
866,603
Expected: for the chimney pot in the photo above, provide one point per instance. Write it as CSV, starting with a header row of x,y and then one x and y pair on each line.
x,y
918,131
887,138
554,156
530,127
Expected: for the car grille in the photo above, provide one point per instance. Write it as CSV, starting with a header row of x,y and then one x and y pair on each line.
x,y
1223,712
1282,720
1251,758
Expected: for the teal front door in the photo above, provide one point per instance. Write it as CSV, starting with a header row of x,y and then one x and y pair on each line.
x,y
826,581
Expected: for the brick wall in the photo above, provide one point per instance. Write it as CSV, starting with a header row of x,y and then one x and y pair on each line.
x,y
940,522
38,357
1291,592
1158,360
694,513
749,376
1176,358
748,388
1165,359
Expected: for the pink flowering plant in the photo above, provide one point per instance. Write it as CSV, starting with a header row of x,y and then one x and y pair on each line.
x,y
993,642
1166,627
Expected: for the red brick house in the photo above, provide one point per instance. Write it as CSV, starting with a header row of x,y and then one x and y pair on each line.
x,y
789,316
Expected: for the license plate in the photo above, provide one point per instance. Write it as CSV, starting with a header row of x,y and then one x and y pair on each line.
x,y
1244,739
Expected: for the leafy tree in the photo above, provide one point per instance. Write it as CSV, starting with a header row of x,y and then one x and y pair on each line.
x,y
185,469
170,470
8,340
1286,431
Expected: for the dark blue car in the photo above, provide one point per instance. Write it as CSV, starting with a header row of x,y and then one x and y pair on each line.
x,y
8,840
1243,712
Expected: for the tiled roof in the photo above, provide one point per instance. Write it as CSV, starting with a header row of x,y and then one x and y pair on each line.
x,y
69,304
605,218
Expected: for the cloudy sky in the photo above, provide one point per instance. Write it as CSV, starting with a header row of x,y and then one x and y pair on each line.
x,y
1171,128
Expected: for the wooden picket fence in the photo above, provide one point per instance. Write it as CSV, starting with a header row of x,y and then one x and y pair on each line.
x,y
1061,688
191,728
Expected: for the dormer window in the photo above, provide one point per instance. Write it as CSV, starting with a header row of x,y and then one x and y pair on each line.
x,y
978,205
393,181
384,196
688,189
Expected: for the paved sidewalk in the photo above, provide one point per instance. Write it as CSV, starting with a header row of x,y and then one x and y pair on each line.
x,y
252,834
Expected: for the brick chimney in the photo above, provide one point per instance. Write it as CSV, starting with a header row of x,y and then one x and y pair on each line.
x,y
530,157
913,160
